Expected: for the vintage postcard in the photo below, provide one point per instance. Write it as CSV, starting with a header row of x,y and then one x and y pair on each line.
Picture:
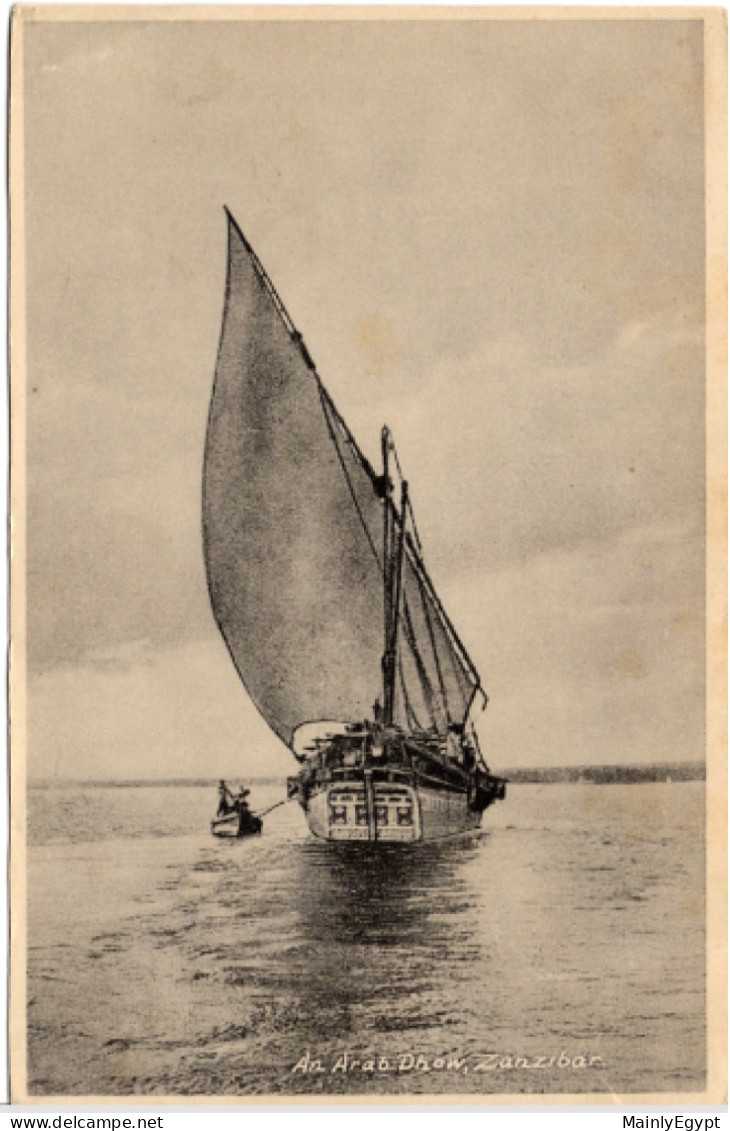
x,y
368,554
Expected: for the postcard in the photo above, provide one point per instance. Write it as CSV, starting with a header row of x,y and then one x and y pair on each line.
x,y
368,553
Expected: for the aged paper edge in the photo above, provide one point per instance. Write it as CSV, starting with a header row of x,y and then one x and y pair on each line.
x,y
715,39
271,12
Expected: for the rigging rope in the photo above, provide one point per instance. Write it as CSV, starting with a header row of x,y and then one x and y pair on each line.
x,y
325,403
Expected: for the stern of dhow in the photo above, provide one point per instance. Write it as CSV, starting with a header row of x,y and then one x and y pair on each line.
x,y
368,784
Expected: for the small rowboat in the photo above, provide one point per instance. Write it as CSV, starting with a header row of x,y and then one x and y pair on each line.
x,y
236,825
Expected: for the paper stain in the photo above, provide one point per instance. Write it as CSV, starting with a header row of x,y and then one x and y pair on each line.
x,y
376,342
630,662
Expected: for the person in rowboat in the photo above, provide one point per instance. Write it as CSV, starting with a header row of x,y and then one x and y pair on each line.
x,y
247,822
240,804
226,803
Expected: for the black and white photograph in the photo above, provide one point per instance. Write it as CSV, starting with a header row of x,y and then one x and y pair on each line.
x,y
364,466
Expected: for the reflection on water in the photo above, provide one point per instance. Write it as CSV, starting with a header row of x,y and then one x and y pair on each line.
x,y
187,965
381,895
384,929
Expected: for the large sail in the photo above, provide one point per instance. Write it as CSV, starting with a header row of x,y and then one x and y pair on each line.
x,y
292,578
292,526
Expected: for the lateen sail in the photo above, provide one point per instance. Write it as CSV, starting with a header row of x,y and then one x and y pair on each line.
x,y
292,525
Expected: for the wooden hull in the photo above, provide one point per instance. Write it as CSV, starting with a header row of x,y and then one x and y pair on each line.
x,y
388,813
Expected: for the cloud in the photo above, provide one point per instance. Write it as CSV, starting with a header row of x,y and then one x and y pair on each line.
x,y
592,653
149,713
508,457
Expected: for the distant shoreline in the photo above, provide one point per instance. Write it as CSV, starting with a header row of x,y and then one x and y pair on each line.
x,y
592,775
605,775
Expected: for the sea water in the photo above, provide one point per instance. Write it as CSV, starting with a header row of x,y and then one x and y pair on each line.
x,y
561,950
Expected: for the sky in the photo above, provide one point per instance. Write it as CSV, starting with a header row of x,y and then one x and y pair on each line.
x,y
491,234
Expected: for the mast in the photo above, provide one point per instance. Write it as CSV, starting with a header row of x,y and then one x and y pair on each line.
x,y
387,572
394,589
